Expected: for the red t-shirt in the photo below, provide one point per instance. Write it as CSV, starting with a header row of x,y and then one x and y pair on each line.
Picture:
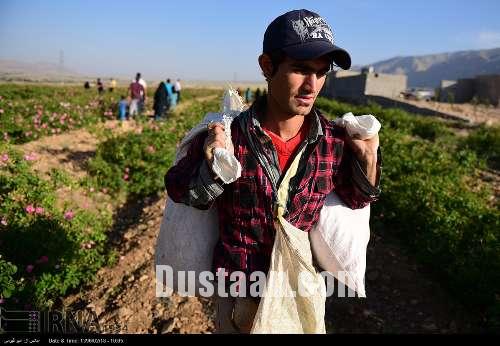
x,y
286,149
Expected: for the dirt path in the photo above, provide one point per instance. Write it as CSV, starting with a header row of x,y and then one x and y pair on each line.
x,y
123,296
475,114
401,296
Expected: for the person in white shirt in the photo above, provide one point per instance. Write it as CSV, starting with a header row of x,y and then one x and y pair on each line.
x,y
142,82
177,89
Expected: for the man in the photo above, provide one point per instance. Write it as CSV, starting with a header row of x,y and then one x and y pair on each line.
x,y
171,97
248,95
177,89
112,85
136,94
142,101
100,86
298,52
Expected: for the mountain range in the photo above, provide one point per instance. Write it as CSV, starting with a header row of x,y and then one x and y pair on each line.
x,y
422,71
429,70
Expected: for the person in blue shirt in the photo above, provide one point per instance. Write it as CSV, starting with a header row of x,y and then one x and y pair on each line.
x,y
172,99
122,108
248,95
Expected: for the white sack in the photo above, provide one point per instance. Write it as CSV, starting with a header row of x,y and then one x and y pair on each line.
x,y
188,235
340,238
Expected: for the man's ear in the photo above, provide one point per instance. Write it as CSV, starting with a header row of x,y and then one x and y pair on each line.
x,y
266,65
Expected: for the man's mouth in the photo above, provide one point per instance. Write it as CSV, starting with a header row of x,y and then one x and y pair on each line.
x,y
304,99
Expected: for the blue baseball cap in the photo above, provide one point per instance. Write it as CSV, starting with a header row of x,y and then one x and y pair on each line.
x,y
304,35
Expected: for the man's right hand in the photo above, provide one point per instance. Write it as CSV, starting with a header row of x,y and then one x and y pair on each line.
x,y
216,139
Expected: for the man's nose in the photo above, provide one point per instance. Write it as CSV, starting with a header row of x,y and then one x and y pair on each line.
x,y
311,82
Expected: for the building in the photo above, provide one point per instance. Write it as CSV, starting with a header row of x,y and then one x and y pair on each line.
x,y
482,88
357,86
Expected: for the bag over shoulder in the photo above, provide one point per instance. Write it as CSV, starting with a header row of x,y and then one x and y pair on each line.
x,y
188,235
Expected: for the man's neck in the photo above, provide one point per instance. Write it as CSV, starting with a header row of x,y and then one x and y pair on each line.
x,y
282,124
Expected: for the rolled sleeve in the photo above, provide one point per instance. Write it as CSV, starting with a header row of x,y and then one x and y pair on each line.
x,y
190,180
204,189
361,181
353,186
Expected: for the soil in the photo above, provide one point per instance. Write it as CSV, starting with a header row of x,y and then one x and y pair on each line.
x,y
474,114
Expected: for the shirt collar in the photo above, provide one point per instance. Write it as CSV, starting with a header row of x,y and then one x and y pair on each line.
x,y
258,107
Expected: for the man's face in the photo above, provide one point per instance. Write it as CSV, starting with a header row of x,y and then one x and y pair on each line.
x,y
297,83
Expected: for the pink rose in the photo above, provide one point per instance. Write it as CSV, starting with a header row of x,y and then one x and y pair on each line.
x,y
29,268
125,177
69,215
39,210
4,221
30,157
30,209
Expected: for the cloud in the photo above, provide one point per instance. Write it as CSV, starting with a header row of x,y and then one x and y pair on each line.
x,y
489,39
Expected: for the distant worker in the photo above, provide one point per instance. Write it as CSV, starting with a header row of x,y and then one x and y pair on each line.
x,y
248,95
100,86
144,92
177,89
136,93
170,94
160,104
112,85
257,94
122,108
86,85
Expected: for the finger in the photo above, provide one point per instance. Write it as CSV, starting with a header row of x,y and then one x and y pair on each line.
x,y
217,130
214,125
215,144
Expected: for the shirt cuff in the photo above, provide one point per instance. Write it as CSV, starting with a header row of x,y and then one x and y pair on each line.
x,y
361,180
212,187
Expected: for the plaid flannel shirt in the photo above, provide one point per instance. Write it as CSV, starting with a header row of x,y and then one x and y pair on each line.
x,y
246,206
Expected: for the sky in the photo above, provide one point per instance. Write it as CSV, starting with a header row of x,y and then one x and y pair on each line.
x,y
221,40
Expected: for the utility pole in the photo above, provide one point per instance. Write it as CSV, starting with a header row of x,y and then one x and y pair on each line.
x,y
61,60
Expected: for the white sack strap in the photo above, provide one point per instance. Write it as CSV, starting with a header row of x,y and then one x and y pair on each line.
x,y
294,297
